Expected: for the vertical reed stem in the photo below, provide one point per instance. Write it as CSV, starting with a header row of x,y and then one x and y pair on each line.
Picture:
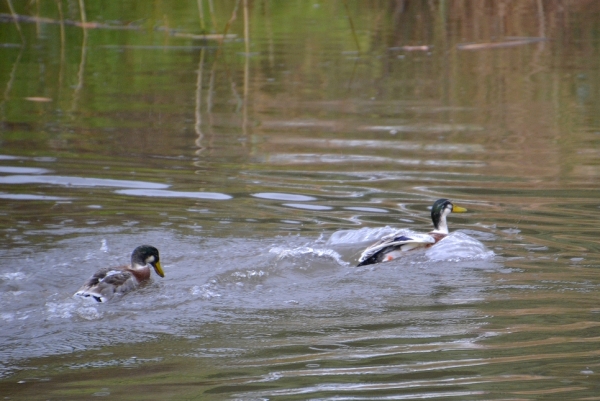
x,y
16,19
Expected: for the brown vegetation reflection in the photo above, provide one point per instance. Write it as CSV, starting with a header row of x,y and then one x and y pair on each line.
x,y
433,62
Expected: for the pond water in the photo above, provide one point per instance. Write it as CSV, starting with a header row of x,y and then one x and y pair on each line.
x,y
261,164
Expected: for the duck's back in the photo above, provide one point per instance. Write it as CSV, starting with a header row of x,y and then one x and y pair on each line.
x,y
393,245
105,283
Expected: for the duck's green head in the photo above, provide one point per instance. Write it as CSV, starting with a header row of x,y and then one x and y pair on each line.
x,y
442,208
147,254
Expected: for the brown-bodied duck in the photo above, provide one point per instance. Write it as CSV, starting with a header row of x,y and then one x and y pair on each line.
x,y
107,282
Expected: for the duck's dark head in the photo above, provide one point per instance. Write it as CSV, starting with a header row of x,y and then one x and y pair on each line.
x,y
440,209
147,254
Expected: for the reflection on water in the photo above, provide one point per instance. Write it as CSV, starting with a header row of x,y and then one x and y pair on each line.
x,y
158,193
286,197
76,181
263,164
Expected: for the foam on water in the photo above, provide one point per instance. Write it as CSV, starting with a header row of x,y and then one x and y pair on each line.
x,y
13,276
457,247
307,252
365,234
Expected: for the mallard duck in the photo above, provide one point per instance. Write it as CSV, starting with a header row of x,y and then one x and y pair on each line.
x,y
393,245
107,282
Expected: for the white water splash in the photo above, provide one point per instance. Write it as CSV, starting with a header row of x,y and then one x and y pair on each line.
x,y
68,310
13,276
458,246
307,251
206,291
89,313
62,310
365,234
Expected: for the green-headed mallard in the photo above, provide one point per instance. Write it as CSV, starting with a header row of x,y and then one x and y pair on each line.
x,y
393,245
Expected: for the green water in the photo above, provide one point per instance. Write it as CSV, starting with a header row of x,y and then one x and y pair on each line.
x,y
261,164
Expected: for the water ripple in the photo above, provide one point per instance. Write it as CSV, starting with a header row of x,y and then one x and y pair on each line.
x,y
78,181
173,194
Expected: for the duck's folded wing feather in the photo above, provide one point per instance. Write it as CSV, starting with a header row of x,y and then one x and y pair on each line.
x,y
105,282
395,241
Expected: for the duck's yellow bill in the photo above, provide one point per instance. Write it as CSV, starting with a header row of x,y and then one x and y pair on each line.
x,y
458,209
158,269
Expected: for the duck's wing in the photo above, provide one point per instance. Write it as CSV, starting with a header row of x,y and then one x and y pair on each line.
x,y
106,282
392,243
